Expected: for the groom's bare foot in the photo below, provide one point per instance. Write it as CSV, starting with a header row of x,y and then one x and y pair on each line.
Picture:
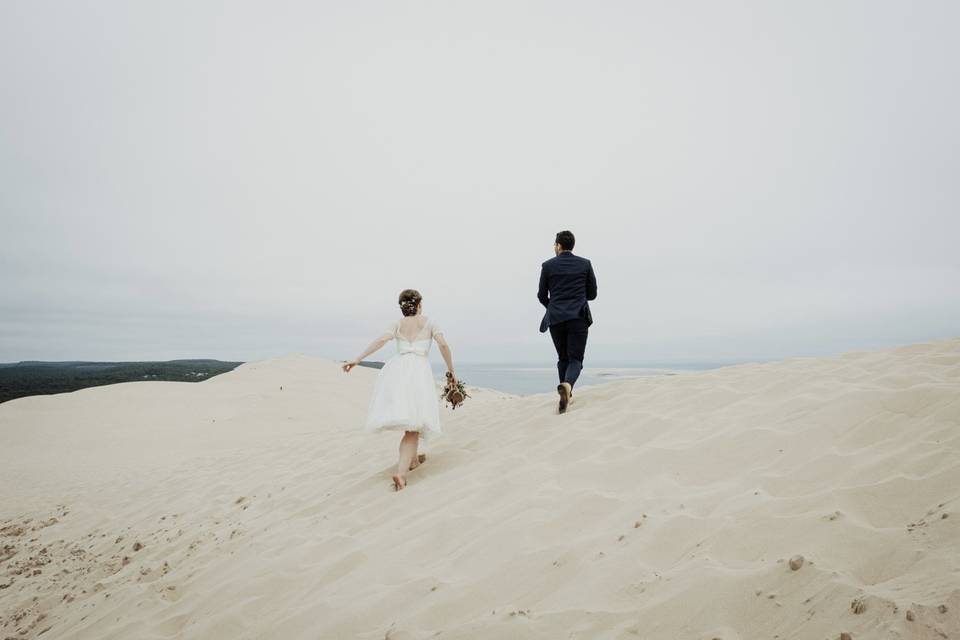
x,y
399,482
564,390
420,459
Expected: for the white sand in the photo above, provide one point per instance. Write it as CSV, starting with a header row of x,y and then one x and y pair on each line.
x,y
656,508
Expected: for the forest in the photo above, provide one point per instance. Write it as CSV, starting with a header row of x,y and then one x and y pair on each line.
x,y
32,378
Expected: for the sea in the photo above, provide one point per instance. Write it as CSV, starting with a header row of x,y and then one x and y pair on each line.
x,y
527,379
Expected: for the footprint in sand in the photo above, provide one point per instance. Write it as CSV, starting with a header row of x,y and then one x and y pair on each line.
x,y
858,606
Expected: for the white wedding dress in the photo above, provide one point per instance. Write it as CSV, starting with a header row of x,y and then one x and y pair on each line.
x,y
405,395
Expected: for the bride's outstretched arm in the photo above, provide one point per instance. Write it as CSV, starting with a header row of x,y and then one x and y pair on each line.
x,y
373,348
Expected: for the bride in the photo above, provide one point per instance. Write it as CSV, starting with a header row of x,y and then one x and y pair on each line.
x,y
405,395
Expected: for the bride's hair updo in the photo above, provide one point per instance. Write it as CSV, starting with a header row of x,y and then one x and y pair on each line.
x,y
409,301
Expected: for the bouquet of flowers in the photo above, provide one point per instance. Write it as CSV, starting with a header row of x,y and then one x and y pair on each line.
x,y
454,393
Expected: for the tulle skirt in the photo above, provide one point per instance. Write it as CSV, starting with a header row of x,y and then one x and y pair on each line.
x,y
405,397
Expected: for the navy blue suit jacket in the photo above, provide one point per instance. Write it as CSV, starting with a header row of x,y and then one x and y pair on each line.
x,y
566,283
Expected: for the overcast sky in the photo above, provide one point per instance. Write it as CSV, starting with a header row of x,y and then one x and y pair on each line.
x,y
244,180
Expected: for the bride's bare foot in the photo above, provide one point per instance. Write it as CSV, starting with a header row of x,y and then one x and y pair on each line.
x,y
420,459
399,482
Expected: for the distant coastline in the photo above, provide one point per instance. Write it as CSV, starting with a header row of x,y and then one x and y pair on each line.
x,y
32,377
524,379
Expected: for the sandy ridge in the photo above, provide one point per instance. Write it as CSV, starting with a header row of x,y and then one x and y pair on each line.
x,y
656,508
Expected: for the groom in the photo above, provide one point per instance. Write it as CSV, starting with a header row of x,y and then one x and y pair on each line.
x,y
566,283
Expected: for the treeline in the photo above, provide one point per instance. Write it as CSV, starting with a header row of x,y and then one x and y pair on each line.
x,y
21,379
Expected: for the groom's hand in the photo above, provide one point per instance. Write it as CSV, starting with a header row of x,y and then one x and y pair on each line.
x,y
350,365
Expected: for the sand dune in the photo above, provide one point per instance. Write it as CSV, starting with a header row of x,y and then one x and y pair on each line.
x,y
656,508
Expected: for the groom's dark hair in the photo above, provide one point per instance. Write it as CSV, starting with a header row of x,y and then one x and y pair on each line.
x,y
566,240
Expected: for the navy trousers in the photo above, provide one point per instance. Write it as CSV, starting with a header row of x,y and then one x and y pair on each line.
x,y
570,340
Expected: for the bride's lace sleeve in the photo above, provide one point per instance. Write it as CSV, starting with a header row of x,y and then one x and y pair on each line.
x,y
391,331
436,332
